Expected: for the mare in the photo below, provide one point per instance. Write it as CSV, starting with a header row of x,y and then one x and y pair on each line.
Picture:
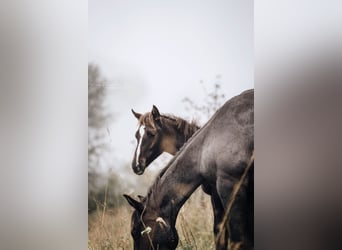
x,y
216,156
156,134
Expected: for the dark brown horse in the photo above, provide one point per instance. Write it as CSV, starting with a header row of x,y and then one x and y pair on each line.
x,y
215,157
159,133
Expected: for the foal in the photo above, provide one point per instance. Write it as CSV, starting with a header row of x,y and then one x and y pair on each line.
x,y
157,134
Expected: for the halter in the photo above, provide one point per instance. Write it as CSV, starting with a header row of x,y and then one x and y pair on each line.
x,y
147,229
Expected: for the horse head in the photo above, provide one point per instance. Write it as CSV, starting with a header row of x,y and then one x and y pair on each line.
x,y
149,136
150,231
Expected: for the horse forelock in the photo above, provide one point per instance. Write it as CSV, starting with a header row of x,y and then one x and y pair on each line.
x,y
147,120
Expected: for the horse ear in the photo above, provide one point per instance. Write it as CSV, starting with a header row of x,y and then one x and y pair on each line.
x,y
137,115
173,215
134,203
155,113
141,198
156,116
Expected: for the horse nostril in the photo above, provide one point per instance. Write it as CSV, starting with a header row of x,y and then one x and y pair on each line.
x,y
138,170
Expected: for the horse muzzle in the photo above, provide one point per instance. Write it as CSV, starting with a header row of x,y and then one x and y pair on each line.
x,y
139,166
138,169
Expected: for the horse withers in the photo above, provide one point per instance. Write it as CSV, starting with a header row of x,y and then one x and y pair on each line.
x,y
215,157
158,133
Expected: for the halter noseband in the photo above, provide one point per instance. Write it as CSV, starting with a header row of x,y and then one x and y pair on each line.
x,y
147,229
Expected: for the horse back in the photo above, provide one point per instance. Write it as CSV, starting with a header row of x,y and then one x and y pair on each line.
x,y
228,140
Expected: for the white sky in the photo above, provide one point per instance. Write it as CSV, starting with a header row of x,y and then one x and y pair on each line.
x,y
156,52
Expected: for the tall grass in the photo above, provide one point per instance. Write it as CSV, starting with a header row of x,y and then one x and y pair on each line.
x,y
110,229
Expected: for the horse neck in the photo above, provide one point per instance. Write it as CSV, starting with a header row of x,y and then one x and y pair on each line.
x,y
174,186
176,132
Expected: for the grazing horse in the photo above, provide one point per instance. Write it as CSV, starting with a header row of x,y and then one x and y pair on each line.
x,y
215,157
157,134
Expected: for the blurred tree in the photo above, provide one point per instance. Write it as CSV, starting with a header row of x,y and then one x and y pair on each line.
x,y
97,132
105,188
213,99
96,94
97,115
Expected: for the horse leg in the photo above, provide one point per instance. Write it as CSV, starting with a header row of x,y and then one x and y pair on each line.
x,y
237,222
222,243
239,238
218,211
250,208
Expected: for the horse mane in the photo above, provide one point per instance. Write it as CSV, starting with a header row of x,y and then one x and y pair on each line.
x,y
147,119
188,128
167,120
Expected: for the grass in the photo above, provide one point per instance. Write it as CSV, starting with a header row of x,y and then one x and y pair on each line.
x,y
110,229
113,233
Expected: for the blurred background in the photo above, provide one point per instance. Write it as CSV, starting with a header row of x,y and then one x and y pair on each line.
x,y
46,48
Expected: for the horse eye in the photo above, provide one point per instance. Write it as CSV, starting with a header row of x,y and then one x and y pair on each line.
x,y
150,133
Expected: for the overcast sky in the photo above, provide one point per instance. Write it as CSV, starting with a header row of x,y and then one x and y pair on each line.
x,y
156,52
